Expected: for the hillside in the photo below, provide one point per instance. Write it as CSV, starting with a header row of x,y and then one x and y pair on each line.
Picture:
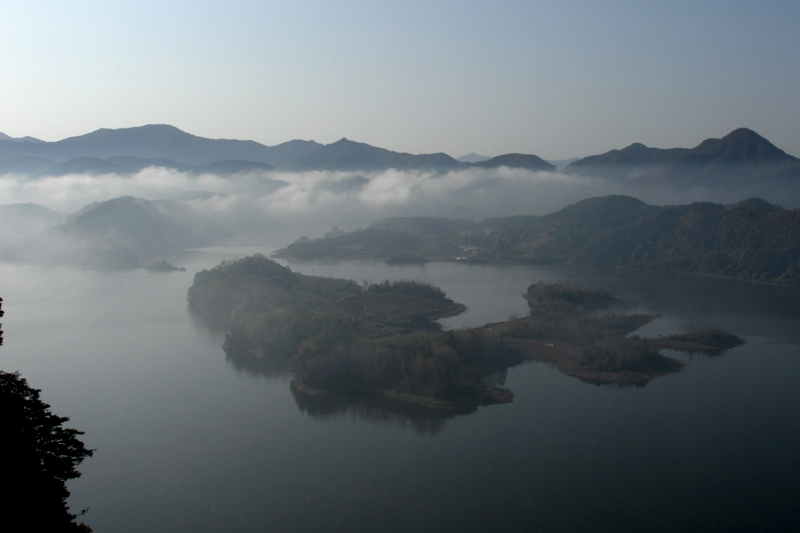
x,y
741,158
345,154
164,145
123,233
751,240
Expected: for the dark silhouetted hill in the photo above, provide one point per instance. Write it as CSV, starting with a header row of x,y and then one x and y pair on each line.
x,y
526,161
158,141
751,240
345,154
170,147
4,137
741,158
636,155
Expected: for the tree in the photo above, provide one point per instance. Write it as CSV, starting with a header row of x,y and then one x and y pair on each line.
x,y
38,456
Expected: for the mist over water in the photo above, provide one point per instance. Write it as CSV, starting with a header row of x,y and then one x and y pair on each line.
x,y
189,210
188,440
320,193
202,445
325,198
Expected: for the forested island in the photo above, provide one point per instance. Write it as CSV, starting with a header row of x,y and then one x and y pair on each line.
x,y
339,337
751,240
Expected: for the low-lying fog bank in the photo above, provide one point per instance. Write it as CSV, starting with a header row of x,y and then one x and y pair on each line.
x,y
157,211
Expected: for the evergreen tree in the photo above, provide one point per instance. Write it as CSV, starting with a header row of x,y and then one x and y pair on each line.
x,y
38,456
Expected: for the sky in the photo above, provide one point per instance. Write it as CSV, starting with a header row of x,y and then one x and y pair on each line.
x,y
558,79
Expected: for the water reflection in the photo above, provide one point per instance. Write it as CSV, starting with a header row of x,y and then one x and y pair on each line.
x,y
376,409
675,292
266,367
367,407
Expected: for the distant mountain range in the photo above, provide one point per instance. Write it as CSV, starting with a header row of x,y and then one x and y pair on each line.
x,y
5,137
739,165
741,156
129,150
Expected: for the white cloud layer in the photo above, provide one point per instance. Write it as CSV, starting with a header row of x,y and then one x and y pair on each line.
x,y
318,199
476,191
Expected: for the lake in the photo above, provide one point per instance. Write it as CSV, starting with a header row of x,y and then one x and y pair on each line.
x,y
186,441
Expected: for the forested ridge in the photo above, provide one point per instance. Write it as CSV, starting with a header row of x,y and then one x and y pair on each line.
x,y
339,337
751,240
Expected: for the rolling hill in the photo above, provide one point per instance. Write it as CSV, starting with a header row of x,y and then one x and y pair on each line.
x,y
751,239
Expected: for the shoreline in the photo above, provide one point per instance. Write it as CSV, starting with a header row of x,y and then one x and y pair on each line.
x,y
495,395
483,261
565,358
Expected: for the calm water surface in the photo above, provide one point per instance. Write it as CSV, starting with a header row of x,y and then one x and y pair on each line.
x,y
187,442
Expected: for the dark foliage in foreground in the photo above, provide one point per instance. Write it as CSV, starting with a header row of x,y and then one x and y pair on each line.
x,y
40,455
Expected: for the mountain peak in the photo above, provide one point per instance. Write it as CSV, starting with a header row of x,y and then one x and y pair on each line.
x,y
4,137
472,157
744,134
146,130
758,205
528,161
742,145
636,146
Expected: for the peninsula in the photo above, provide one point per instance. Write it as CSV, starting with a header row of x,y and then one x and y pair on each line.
x,y
339,337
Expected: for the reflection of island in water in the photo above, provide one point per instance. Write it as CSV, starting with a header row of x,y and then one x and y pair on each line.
x,y
376,408
346,344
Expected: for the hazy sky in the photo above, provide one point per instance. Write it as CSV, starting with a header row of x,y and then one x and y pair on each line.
x,y
555,78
